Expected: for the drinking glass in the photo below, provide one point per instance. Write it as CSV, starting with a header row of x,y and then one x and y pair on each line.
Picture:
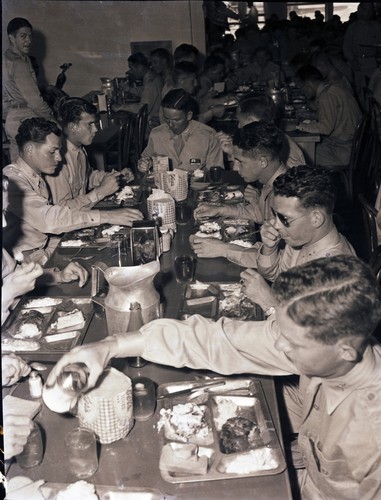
x,y
184,268
81,448
183,213
215,175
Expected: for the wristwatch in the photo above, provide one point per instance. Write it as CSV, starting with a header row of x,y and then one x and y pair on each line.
x,y
269,311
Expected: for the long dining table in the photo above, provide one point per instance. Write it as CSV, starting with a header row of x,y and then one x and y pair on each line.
x,y
133,462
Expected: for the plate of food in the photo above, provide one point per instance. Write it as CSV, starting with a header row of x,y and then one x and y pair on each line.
x,y
47,325
241,232
224,432
209,229
214,300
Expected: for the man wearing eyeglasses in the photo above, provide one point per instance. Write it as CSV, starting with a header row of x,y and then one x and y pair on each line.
x,y
300,229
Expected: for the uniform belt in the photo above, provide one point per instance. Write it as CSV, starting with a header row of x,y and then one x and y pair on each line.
x,y
19,106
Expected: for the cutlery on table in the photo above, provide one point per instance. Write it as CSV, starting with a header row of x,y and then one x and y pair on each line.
x,y
191,390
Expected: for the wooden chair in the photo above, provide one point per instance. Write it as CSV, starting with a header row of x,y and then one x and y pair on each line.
x,y
128,139
118,157
354,171
369,215
140,133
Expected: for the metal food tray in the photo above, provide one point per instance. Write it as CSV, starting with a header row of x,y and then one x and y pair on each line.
x,y
51,490
112,201
91,237
239,229
239,397
221,196
50,314
207,299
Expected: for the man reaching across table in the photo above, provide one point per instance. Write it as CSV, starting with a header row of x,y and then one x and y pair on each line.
x,y
32,217
327,312
75,184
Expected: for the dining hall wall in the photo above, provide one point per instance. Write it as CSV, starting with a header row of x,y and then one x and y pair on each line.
x,y
95,36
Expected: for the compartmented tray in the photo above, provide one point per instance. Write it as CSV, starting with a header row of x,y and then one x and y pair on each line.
x,y
51,335
240,232
128,196
214,300
224,195
226,432
92,237
51,490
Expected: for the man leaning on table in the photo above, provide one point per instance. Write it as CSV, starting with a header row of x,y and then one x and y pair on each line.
x,y
75,184
327,312
300,229
32,216
257,150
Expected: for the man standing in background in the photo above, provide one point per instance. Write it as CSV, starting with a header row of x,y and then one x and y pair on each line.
x,y
21,95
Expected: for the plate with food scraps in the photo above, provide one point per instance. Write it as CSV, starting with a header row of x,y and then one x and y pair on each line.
x,y
226,432
210,228
241,232
214,300
128,196
99,236
47,325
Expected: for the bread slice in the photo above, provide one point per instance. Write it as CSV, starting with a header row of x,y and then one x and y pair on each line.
x,y
171,460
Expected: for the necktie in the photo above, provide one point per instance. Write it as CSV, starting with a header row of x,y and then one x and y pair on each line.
x,y
82,167
178,144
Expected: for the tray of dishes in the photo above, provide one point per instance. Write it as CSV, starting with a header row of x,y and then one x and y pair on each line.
x,y
128,196
91,237
224,195
47,325
220,432
214,300
242,232
83,489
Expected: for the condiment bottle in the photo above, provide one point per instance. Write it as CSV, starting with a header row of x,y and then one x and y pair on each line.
x,y
144,398
35,384
165,240
63,395
136,322
33,451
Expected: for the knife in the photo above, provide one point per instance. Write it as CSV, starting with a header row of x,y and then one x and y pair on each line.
x,y
184,392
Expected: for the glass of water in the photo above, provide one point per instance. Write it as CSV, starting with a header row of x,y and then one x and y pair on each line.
x,y
81,446
184,268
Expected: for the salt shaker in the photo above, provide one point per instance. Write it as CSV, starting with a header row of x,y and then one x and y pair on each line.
x,y
136,322
35,385
165,239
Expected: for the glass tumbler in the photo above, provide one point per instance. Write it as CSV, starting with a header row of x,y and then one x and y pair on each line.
x,y
119,250
81,448
184,268
215,175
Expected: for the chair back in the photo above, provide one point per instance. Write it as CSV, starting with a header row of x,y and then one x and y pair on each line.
x,y
128,138
141,129
369,215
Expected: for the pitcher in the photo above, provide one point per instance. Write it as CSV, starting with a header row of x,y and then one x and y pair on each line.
x,y
127,285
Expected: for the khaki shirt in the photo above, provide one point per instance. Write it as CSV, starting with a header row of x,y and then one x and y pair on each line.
x,y
200,143
340,435
69,186
32,216
333,243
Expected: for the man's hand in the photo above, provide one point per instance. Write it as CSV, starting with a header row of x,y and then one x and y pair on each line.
x,y
95,356
144,164
256,288
73,271
251,194
218,110
22,279
16,431
12,369
208,247
269,235
226,142
205,210
128,174
121,216
109,184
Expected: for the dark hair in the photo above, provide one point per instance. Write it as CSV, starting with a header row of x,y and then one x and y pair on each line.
x,y
35,130
314,187
260,138
138,58
263,108
335,297
212,62
71,108
309,72
184,68
16,23
162,54
178,99
185,50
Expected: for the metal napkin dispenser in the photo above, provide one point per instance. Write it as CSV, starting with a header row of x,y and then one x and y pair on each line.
x,y
145,243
